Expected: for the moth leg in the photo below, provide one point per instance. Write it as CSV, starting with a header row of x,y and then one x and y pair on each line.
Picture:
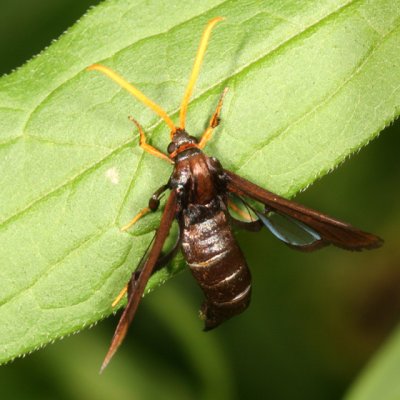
x,y
120,296
135,276
161,262
154,202
214,121
136,218
145,146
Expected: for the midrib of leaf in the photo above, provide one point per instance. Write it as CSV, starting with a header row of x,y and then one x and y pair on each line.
x,y
67,254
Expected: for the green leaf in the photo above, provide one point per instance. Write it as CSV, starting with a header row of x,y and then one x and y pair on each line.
x,y
310,83
380,380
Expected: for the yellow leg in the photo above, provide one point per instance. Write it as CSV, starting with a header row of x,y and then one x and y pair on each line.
x,y
154,202
120,296
214,121
124,228
146,147
153,205
136,218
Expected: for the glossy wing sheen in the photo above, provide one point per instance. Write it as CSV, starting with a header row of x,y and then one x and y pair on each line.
x,y
292,232
137,285
329,229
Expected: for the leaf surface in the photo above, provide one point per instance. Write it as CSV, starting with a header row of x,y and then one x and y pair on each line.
x,y
310,83
380,380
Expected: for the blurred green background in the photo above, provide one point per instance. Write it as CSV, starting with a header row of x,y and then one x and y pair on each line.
x,y
315,319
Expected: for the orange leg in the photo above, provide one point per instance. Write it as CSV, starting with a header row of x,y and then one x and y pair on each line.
x,y
120,296
139,215
214,121
154,203
146,147
136,218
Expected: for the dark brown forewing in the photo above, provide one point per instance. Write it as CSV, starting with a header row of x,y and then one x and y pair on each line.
x,y
137,285
331,230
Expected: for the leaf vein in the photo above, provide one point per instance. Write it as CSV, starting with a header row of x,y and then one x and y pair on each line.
x,y
47,271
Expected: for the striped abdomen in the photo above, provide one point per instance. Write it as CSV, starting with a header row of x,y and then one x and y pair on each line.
x,y
217,263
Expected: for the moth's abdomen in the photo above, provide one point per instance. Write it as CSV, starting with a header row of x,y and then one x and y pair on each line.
x,y
218,265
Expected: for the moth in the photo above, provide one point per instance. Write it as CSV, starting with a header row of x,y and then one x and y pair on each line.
x,y
201,192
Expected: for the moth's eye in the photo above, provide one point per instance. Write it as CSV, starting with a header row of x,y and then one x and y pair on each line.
x,y
171,148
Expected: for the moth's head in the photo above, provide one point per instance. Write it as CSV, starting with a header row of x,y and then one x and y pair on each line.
x,y
181,141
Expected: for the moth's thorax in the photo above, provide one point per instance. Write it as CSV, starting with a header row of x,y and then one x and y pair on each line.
x,y
196,177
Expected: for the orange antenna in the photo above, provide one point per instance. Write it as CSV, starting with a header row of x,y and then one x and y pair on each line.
x,y
134,92
196,68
